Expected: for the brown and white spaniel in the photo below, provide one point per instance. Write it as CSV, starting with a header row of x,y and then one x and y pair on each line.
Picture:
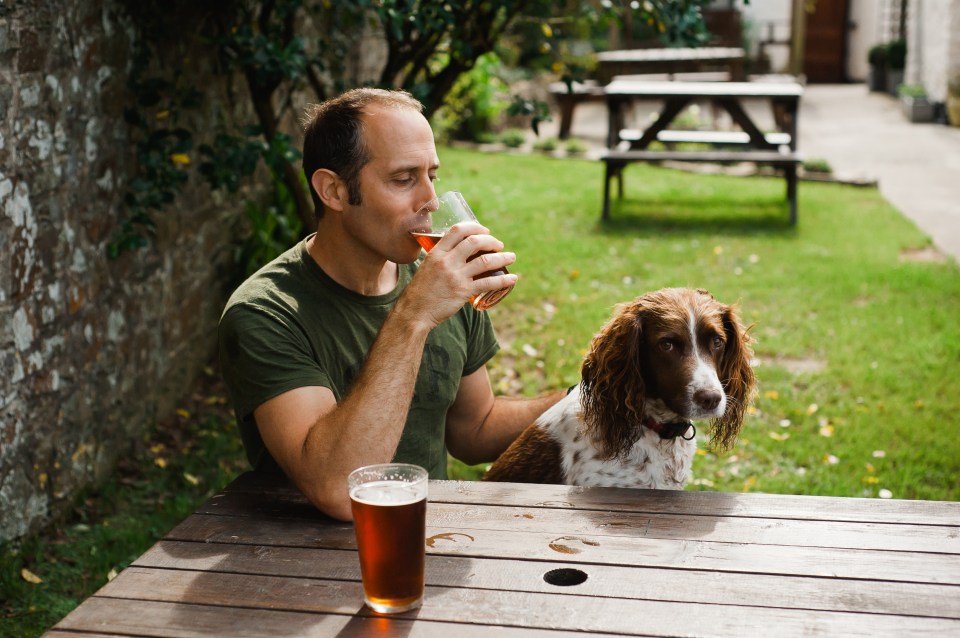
x,y
667,358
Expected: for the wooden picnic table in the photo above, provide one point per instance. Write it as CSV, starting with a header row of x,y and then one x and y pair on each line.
x,y
750,143
670,60
541,560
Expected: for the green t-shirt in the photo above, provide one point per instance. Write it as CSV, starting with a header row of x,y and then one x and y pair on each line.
x,y
290,325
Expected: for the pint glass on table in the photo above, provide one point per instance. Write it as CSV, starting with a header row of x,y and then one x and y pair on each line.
x,y
389,504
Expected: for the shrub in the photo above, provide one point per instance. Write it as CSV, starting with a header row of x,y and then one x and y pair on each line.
x,y
513,138
575,147
911,90
547,145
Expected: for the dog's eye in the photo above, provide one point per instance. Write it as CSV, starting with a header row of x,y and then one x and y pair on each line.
x,y
717,342
667,345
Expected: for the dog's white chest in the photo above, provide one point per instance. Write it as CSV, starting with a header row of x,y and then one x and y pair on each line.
x,y
653,463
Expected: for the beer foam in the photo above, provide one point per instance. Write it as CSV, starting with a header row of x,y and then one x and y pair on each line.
x,y
388,493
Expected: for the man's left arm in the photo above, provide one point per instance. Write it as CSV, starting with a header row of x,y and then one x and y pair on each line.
x,y
481,426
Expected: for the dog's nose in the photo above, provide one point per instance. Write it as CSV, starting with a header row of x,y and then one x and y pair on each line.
x,y
707,399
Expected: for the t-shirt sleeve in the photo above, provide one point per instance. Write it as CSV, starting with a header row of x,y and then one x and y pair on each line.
x,y
262,358
482,341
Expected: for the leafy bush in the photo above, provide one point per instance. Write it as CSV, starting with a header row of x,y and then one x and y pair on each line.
x,y
513,138
575,147
473,108
547,145
911,90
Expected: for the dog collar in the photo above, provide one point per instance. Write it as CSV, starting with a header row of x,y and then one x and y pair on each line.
x,y
671,430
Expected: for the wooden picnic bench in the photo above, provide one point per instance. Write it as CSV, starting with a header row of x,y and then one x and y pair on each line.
x,y
750,144
526,561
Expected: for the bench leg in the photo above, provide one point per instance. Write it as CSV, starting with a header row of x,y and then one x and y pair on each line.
x,y
791,174
567,104
605,213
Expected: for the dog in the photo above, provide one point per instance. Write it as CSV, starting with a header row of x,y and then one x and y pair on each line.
x,y
663,360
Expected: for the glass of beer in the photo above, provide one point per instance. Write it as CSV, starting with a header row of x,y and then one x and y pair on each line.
x,y
389,503
438,215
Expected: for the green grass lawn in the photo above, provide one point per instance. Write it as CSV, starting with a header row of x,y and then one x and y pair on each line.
x,y
857,348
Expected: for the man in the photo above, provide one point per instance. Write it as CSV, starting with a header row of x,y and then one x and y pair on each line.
x,y
349,349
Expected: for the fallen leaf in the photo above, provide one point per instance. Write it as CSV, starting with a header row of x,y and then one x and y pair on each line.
x,y
812,409
30,577
111,574
191,479
773,395
183,413
160,462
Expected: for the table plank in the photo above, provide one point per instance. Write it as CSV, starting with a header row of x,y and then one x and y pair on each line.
x,y
647,583
591,548
671,54
703,90
805,533
177,620
513,609
726,504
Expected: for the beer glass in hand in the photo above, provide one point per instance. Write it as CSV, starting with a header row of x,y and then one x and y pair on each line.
x,y
389,503
439,214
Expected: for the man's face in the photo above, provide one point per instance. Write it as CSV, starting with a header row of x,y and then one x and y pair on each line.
x,y
394,184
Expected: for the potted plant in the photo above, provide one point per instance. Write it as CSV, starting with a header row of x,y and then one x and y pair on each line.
x,y
953,100
877,57
896,62
916,106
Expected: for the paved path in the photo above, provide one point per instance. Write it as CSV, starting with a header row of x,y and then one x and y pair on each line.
x,y
865,135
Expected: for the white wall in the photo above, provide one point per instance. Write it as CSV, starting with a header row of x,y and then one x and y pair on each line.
x,y
864,19
933,45
756,16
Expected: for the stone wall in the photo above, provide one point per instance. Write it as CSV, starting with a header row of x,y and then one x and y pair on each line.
x,y
92,350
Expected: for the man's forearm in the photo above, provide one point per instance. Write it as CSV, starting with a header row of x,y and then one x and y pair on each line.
x,y
365,427
508,417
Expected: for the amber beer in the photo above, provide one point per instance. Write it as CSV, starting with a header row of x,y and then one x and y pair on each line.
x,y
389,505
485,299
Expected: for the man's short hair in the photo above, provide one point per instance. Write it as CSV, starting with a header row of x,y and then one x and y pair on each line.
x,y
333,136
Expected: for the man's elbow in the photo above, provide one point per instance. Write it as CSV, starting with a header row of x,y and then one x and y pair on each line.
x,y
333,504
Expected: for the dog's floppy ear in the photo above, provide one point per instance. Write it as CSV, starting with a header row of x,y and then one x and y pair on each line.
x,y
612,386
736,375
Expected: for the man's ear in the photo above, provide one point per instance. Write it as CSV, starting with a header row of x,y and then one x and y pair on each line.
x,y
330,188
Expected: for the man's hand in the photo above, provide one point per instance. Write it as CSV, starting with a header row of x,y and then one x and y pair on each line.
x,y
446,279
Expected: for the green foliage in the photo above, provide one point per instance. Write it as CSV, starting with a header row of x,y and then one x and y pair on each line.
x,y
877,55
547,145
575,146
911,90
817,165
474,106
536,110
513,138
897,55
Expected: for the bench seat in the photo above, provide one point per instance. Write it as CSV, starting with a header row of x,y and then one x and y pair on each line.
x,y
715,138
615,161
